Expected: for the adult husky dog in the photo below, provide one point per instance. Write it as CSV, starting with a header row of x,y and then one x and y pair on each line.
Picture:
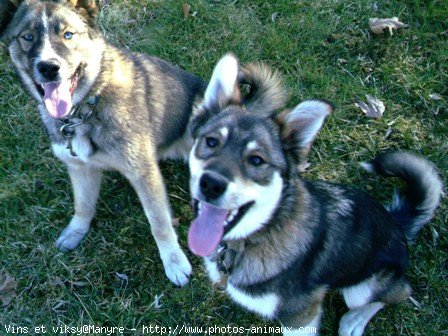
x,y
103,108
277,243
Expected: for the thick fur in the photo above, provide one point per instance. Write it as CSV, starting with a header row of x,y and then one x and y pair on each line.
x,y
142,115
289,240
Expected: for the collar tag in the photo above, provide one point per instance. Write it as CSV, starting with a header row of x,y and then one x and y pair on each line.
x,y
75,119
223,263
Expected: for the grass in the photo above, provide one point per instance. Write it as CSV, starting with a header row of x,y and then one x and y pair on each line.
x,y
324,49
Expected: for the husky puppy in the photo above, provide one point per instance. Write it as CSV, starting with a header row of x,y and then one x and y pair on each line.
x,y
277,243
104,109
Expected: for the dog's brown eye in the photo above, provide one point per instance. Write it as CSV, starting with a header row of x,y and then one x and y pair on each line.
x,y
211,142
255,160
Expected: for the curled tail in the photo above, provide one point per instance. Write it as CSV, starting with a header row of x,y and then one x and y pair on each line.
x,y
424,188
267,92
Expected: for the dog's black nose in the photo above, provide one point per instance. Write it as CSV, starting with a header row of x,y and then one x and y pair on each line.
x,y
212,186
49,69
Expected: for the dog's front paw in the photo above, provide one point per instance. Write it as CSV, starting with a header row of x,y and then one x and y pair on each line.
x,y
351,325
69,239
177,268
355,320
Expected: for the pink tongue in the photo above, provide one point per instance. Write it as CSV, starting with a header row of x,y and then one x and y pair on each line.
x,y
206,230
58,99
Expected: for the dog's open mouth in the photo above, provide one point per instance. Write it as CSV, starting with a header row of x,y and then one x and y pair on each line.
x,y
57,96
210,224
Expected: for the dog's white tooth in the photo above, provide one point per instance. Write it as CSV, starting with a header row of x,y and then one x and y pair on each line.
x,y
199,205
230,218
234,213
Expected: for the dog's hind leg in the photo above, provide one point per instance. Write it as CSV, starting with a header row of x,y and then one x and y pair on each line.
x,y
305,323
86,183
367,298
151,192
309,312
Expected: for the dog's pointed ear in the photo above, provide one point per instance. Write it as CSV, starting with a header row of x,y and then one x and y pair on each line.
x,y
7,10
300,126
88,8
223,90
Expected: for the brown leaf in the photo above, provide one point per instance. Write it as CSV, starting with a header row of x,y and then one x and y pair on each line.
x,y
186,9
379,25
8,286
374,108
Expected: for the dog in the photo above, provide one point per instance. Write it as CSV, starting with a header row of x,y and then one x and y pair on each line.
x,y
277,243
104,109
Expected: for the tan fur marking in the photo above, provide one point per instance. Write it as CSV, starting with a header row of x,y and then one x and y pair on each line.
x,y
262,259
310,313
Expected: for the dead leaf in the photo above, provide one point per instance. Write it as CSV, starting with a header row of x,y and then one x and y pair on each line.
x,y
379,25
301,168
186,9
374,107
122,276
74,284
415,302
388,132
175,222
435,96
8,286
156,303
435,237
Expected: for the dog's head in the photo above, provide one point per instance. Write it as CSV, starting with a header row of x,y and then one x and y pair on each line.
x,y
243,154
55,47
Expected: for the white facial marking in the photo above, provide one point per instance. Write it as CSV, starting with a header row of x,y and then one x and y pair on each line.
x,y
45,21
252,146
47,51
224,132
266,199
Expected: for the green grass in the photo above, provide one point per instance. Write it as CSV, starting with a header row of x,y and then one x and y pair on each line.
x,y
325,50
